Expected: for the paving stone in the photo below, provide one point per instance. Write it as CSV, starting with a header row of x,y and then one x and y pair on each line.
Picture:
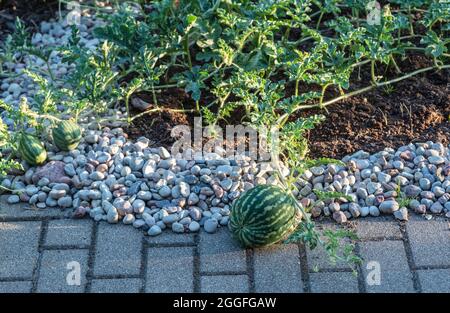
x,y
24,210
118,250
57,268
170,269
220,253
378,227
18,248
224,284
318,258
333,282
430,241
393,265
15,287
437,280
277,269
69,232
169,237
125,285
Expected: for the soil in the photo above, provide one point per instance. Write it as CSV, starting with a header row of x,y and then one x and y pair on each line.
x,y
157,126
413,110
30,11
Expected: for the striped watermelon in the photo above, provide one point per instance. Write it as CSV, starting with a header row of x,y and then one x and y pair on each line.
x,y
67,135
263,216
31,149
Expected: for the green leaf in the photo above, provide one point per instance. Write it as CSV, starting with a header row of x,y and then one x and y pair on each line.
x,y
435,45
7,165
194,89
191,19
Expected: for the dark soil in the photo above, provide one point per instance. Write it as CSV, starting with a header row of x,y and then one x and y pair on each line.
x,y
31,12
157,126
414,110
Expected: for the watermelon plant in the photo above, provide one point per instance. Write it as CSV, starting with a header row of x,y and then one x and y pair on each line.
x,y
23,138
6,161
210,47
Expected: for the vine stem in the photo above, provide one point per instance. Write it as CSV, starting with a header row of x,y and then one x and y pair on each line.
x,y
372,71
319,20
165,86
324,89
160,110
410,19
274,152
188,53
397,68
47,116
297,83
50,72
12,190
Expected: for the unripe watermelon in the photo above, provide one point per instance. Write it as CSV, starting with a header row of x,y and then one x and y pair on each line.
x,y
66,135
31,149
263,216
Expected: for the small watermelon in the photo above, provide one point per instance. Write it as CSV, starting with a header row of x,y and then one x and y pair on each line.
x,y
31,149
66,135
263,216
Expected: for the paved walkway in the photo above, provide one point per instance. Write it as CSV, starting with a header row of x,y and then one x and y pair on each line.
x,y
38,250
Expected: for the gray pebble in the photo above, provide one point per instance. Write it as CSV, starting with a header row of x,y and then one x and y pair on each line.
x,y
65,202
389,206
69,169
165,191
138,206
128,219
339,217
373,211
177,228
169,219
436,208
425,184
210,225
436,160
401,214
112,216
194,226
13,199
383,177
155,230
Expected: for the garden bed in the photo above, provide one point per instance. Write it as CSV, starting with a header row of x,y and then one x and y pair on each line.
x,y
416,110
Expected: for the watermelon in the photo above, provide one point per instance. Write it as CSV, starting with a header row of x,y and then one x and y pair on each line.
x,y
66,135
263,216
31,149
